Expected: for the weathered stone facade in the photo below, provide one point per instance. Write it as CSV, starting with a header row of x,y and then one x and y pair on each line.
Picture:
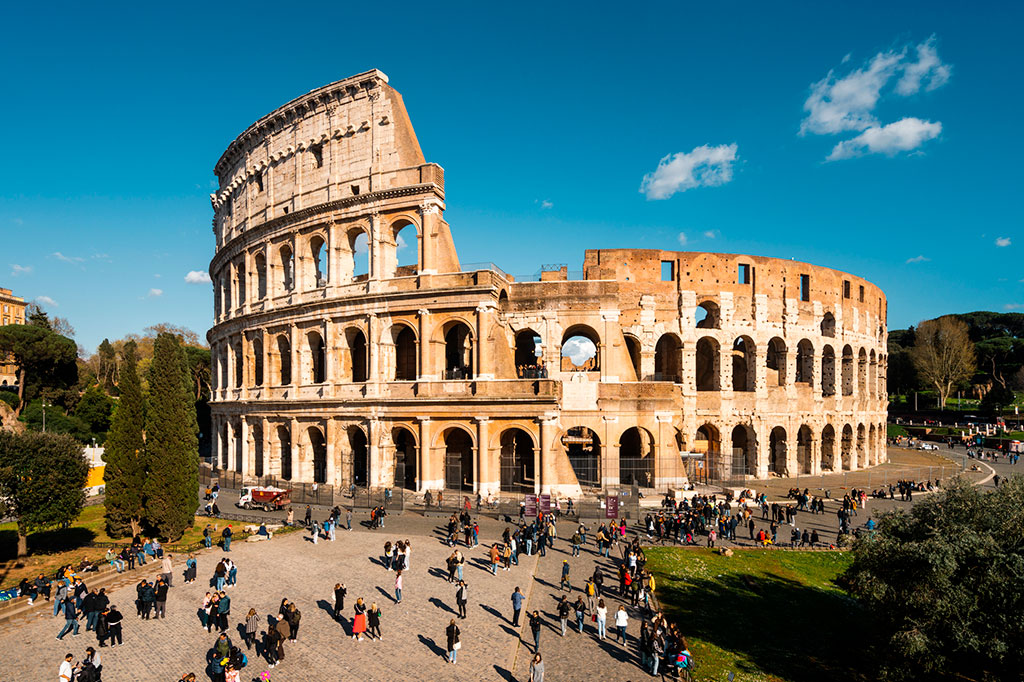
x,y
337,365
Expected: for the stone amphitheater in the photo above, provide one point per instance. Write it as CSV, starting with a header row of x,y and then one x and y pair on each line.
x,y
352,347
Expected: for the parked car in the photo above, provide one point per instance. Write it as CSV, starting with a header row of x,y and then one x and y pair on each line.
x,y
927,446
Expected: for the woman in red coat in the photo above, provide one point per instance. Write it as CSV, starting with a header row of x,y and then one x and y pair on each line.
x,y
359,621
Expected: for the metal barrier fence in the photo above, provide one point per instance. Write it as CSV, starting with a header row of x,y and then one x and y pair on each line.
x,y
318,494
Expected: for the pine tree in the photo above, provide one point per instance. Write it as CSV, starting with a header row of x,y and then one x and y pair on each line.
x,y
171,488
125,453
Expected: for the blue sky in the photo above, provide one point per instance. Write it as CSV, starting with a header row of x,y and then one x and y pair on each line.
x,y
878,138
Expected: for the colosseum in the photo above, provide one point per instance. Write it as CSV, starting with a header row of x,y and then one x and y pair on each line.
x,y
351,346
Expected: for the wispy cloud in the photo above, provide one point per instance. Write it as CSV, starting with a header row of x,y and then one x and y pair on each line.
x,y
1013,306
198,277
918,259
1003,241
683,239
76,260
20,269
153,293
703,166
546,204
901,136
46,300
710,234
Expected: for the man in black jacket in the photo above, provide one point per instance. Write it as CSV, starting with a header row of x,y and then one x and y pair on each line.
x,y
114,619
161,598
148,596
90,610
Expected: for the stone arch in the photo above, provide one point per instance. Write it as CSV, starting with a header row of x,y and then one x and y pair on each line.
x,y
527,354
862,447
846,448
400,361
458,458
744,451
872,375
406,447
804,448
848,370
708,441
355,358
515,460
284,445
708,361
708,315
862,373
580,349
240,277
283,358
828,325
286,267
872,446
667,354
318,260
633,348
636,457
318,450
238,362
583,448
828,448
828,372
405,260
259,466
775,361
260,265
458,349
317,368
359,447
778,451
257,361
353,254
744,376
805,363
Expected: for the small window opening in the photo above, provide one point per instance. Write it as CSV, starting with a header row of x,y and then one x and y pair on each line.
x,y
860,294
318,154
258,177
846,288
668,271
355,190
805,287
743,277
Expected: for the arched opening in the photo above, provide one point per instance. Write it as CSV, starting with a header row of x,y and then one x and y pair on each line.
x,y
862,447
357,357
872,374
238,360
580,350
225,295
257,362
404,340
744,451
805,363
847,448
636,458
516,462
633,348
257,450
777,450
847,370
284,360
225,441
828,448
804,438
583,448
458,351
360,457
261,276
318,260
317,358
527,354
862,372
284,443
708,442
775,361
828,325
707,355
743,364
708,316
359,247
667,354
405,458
872,446
458,460
406,249
828,372
286,263
318,444
240,282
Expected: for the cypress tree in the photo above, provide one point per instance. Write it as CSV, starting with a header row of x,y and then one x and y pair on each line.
x,y
171,488
125,453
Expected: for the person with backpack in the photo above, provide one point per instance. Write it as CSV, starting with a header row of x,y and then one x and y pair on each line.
x,y
373,621
226,535
293,616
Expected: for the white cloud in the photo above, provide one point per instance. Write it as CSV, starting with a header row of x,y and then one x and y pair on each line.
x,y
710,234
901,136
20,269
67,259
928,69
579,349
46,300
836,105
683,239
704,166
153,293
157,276
198,277
546,204
918,259
1003,241
1013,306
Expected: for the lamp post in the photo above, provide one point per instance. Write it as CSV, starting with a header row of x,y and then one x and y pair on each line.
x,y
44,414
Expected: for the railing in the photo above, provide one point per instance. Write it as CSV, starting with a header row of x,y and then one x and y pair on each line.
x,y
457,374
663,376
532,372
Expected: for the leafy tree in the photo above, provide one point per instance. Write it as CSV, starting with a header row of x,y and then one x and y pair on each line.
x,y
171,446
107,366
56,420
997,398
944,581
125,453
198,360
94,410
943,354
44,359
42,481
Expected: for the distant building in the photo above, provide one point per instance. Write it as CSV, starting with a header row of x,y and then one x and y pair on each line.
x,y
12,311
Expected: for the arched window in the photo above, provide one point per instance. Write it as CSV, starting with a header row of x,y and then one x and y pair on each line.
x,y
240,282
872,374
238,360
257,362
775,361
458,351
848,370
804,439
357,357
744,451
862,447
318,259
828,325
404,340
284,360
633,348
777,450
318,444
257,450
828,448
359,243
583,447
580,350
528,355
360,462
284,440
862,372
261,276
406,249
636,458
458,458
708,442
847,448
405,458
708,374
287,266
667,354
805,363
516,461
317,358
743,364
828,372
708,316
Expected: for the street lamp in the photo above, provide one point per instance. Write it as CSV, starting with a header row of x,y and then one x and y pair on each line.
x,y
44,414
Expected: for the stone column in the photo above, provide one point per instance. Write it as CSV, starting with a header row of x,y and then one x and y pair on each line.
x,y
430,213
610,455
296,368
610,319
423,454
424,371
245,466
374,477
545,471
484,318
298,466
265,436
373,377
482,475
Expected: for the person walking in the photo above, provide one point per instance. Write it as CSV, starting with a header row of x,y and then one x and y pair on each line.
x,y
517,606
114,619
223,611
167,566
160,592
252,626
398,586
461,597
359,620
537,669
71,614
339,599
602,619
581,611
535,629
621,622
563,614
373,620
452,633
565,576
102,629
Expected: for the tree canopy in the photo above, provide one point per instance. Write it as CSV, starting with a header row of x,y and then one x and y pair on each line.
x,y
125,453
943,354
45,359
